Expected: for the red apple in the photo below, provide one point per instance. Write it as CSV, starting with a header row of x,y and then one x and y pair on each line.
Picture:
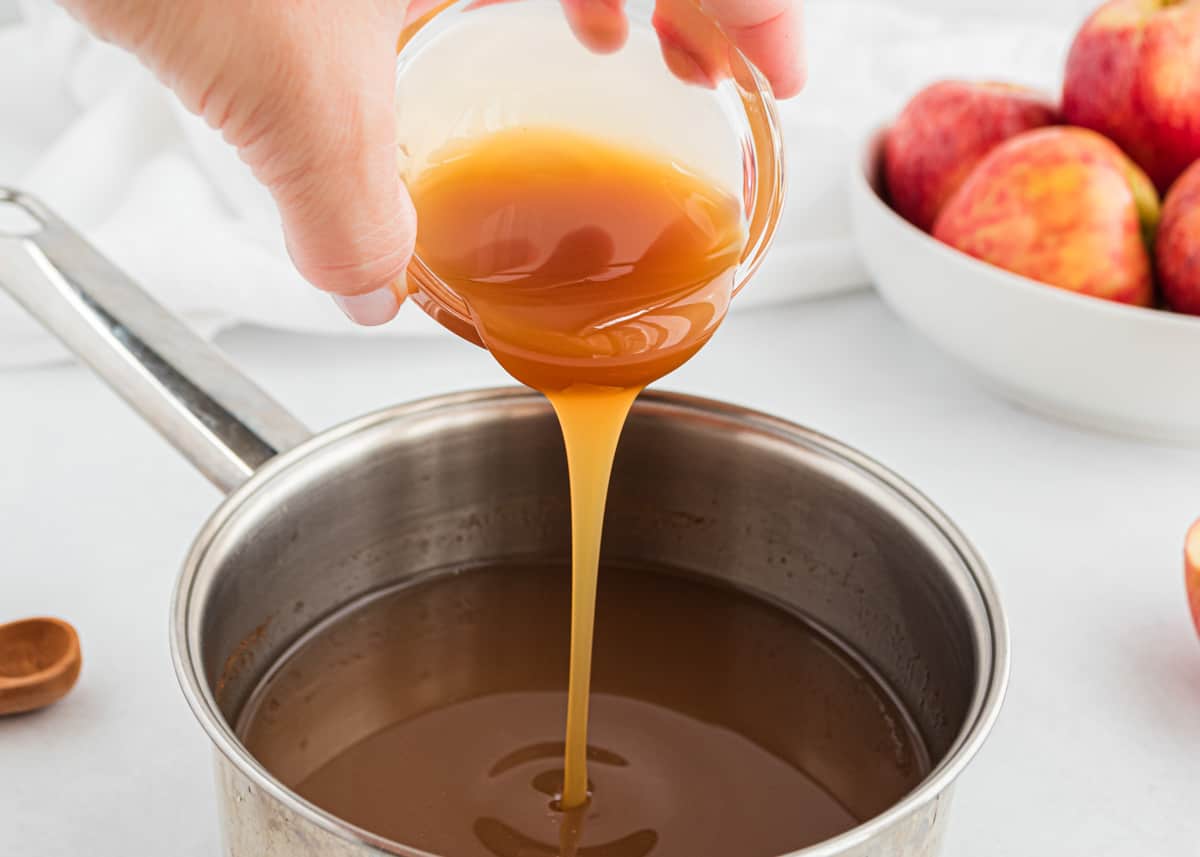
x,y
1060,205
1178,246
1191,559
944,132
1133,74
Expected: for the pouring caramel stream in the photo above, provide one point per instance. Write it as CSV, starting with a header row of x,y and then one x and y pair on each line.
x,y
590,270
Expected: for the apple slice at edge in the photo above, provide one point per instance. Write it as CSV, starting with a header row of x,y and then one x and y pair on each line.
x,y
1191,555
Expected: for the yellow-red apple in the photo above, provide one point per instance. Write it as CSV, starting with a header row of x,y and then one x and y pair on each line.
x,y
1133,74
1061,205
1191,559
1178,246
943,132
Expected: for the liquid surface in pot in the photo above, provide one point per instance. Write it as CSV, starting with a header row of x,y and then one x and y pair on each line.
x,y
431,714
590,269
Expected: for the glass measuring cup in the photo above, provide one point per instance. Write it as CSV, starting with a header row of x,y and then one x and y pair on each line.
x,y
676,87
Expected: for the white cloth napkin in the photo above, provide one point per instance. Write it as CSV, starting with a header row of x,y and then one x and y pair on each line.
x,y
96,137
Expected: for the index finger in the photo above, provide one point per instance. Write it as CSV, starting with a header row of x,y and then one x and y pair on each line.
x,y
770,33
600,24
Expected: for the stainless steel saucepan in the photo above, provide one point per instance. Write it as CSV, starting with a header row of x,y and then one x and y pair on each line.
x,y
312,523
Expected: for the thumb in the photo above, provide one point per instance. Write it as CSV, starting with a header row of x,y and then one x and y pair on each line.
x,y
326,149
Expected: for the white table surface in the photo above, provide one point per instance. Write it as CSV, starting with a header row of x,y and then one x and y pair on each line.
x,y
1096,754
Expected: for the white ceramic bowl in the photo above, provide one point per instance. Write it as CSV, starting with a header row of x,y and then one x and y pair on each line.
x,y
1088,361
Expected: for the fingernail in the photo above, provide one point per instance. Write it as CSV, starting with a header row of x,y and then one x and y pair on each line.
x,y
791,81
684,64
373,308
600,24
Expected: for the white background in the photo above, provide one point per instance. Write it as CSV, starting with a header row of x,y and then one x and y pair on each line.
x,y
1096,755
1048,9
1038,10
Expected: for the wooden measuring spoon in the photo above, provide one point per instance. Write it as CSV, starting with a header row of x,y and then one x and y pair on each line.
x,y
39,663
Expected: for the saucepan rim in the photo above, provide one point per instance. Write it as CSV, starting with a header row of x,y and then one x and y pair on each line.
x,y
991,677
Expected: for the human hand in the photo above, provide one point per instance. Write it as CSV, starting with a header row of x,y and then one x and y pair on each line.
x,y
304,91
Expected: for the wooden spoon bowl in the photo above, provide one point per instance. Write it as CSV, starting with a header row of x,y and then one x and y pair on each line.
x,y
39,663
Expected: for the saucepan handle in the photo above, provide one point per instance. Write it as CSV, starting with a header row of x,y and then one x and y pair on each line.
x,y
222,422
